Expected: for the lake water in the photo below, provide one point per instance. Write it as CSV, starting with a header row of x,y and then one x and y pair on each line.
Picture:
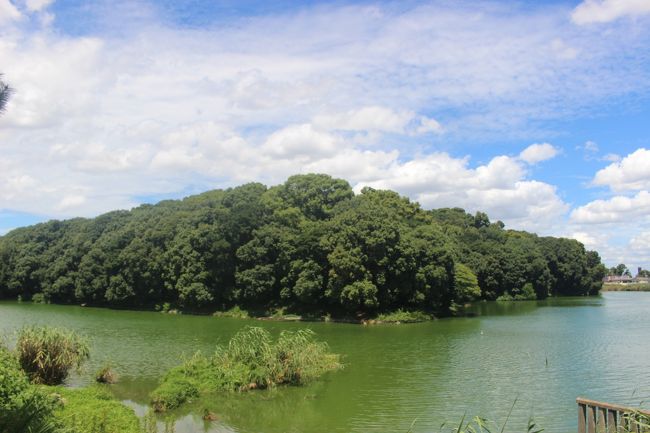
x,y
540,354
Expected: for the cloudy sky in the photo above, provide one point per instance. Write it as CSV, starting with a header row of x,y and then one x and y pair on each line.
x,y
537,112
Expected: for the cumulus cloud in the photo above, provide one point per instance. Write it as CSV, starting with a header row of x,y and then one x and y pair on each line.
x,y
641,243
538,152
8,12
101,120
603,11
614,210
38,5
381,119
629,174
499,187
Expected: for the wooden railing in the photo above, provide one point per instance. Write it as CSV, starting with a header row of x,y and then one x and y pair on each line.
x,y
597,417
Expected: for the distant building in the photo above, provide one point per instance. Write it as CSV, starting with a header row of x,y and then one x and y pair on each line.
x,y
622,279
625,279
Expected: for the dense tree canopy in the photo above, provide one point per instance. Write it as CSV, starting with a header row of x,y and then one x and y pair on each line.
x,y
309,245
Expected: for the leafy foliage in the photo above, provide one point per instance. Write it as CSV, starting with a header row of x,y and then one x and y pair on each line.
x,y
23,407
251,360
48,354
309,246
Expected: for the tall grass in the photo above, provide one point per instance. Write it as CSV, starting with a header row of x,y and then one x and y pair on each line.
x,y
48,354
251,360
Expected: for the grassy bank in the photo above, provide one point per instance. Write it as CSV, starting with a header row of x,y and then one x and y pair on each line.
x,y
32,400
251,360
631,287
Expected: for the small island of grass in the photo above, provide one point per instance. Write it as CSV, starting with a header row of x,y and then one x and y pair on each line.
x,y
251,360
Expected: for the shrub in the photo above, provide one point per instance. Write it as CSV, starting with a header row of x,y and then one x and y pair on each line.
x,y
23,407
39,298
234,312
48,354
402,316
251,360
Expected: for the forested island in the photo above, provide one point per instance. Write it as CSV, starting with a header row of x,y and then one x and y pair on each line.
x,y
309,246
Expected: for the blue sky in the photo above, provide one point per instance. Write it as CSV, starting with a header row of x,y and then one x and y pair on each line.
x,y
536,112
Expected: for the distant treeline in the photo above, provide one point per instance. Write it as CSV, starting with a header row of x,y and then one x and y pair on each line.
x,y
309,245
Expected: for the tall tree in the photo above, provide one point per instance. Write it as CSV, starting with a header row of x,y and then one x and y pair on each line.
x,y
5,93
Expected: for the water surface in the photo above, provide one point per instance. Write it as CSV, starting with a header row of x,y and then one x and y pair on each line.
x,y
541,354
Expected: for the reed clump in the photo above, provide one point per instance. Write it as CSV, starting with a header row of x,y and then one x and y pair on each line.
x,y
251,360
106,375
48,354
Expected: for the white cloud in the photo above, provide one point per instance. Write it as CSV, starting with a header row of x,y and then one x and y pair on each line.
x,y
538,152
38,5
8,12
629,174
591,146
379,119
301,141
614,210
100,121
611,157
602,11
372,118
641,243
499,188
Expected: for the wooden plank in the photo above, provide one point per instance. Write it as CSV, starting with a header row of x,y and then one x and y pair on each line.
x,y
601,420
591,419
582,425
611,421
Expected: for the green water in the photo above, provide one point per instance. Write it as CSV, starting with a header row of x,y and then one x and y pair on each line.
x,y
544,354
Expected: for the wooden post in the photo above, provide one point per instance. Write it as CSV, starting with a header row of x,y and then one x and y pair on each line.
x,y
591,419
601,420
582,425
611,421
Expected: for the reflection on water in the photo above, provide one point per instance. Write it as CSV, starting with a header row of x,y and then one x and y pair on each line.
x,y
544,354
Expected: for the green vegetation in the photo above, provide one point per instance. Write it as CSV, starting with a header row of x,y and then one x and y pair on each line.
x,y
106,374
23,407
234,312
627,287
93,410
309,247
251,360
526,293
48,354
402,316
31,408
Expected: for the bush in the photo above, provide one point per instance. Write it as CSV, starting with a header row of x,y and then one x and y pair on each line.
x,y
39,298
48,354
251,360
234,312
23,407
402,316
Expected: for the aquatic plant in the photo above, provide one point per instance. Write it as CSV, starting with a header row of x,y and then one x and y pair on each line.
x,y
106,374
48,354
251,360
